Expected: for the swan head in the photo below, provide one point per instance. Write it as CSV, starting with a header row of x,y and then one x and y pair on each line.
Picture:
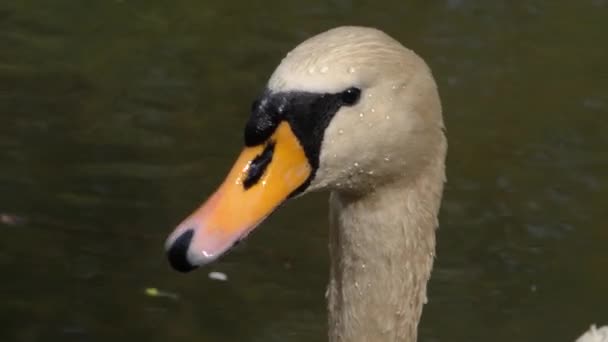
x,y
347,110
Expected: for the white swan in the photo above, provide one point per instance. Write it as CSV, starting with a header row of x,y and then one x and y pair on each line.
x,y
353,112
595,335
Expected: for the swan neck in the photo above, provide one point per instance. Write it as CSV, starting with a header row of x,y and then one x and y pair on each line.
x,y
382,248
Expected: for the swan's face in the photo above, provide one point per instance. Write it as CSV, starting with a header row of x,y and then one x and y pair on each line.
x,y
346,110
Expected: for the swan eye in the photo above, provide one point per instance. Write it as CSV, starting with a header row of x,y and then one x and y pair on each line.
x,y
351,96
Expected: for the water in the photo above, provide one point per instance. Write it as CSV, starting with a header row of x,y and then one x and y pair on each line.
x,y
119,117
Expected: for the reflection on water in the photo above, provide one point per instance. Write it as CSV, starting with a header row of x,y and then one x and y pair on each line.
x,y
118,117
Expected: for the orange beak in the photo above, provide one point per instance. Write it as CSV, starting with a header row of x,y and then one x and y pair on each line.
x,y
262,178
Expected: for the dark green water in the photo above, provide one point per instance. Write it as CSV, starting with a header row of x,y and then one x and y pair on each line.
x,y
118,117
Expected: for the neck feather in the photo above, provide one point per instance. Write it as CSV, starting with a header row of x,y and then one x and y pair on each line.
x,y
382,247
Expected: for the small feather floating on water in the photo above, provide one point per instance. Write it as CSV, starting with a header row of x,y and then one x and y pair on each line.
x,y
218,276
10,219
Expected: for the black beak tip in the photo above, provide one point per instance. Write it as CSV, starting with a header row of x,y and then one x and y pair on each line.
x,y
178,253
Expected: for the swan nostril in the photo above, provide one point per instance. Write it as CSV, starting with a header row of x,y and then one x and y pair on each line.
x,y
178,252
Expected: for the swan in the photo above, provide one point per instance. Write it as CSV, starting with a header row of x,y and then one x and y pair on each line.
x,y
595,334
353,112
